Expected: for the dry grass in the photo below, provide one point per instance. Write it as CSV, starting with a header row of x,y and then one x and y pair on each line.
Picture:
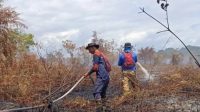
x,y
29,79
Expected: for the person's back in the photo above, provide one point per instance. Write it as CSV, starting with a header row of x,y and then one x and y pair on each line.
x,y
101,70
127,62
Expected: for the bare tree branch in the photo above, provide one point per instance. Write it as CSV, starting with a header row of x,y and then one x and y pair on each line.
x,y
164,6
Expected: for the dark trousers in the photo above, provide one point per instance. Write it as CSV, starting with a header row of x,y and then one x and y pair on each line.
x,y
100,88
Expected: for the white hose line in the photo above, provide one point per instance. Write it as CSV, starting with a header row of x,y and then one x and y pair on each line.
x,y
69,90
21,109
28,108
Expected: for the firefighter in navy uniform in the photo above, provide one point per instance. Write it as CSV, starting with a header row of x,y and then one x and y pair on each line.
x,y
102,68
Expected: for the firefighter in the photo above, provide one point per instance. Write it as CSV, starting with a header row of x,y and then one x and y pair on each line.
x,y
102,68
127,62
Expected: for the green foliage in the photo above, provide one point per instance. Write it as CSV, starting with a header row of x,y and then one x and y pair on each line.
x,y
22,40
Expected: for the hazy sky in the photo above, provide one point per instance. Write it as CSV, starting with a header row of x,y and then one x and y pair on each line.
x,y
52,21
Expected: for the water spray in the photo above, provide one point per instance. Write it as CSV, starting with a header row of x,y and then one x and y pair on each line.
x,y
147,75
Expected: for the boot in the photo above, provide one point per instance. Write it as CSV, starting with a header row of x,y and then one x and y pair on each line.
x,y
99,107
105,105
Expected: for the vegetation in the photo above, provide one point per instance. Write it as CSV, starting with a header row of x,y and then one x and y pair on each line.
x,y
29,79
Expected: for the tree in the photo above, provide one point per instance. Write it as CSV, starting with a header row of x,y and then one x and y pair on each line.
x,y
70,48
23,40
176,59
158,58
147,55
9,22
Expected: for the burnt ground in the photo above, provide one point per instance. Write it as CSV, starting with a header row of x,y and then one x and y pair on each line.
x,y
141,101
147,99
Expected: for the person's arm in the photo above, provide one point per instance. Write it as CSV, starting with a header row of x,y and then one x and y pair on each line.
x,y
120,60
95,65
135,57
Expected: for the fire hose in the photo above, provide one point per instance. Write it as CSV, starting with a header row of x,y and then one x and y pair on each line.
x,y
45,105
69,90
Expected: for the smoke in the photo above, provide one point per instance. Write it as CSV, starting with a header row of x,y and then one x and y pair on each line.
x,y
147,76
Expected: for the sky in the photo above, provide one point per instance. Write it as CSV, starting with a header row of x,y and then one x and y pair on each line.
x,y
53,21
